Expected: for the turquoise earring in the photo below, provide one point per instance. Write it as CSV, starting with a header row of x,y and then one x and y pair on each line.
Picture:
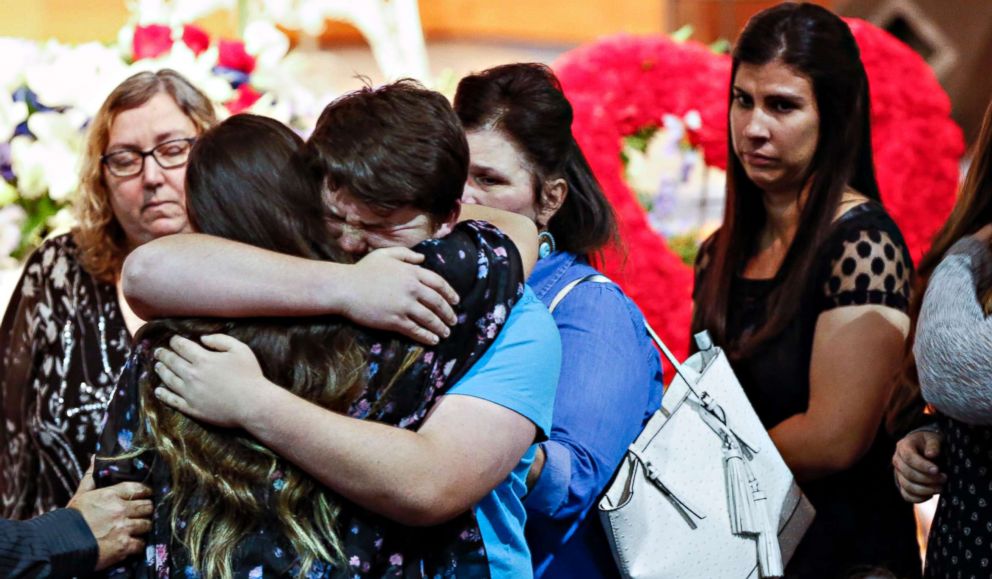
x,y
545,244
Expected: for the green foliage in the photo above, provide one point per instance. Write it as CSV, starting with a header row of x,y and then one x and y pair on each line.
x,y
686,246
35,227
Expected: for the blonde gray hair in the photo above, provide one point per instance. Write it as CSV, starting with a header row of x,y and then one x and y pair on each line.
x,y
100,237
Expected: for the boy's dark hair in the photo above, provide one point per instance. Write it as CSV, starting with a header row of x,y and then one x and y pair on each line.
x,y
393,146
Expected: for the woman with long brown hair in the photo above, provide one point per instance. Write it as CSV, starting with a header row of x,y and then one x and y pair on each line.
x,y
806,284
952,362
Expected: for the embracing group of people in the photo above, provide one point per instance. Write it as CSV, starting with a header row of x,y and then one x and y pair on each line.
x,y
366,356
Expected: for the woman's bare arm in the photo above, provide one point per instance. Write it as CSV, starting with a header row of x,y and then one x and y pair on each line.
x,y
857,351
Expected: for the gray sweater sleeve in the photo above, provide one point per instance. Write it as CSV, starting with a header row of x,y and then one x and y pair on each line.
x,y
953,346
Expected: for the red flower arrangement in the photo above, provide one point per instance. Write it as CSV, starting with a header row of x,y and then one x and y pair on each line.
x,y
622,84
245,97
151,41
233,61
232,54
196,39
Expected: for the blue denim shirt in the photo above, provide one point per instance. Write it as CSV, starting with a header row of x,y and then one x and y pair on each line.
x,y
610,385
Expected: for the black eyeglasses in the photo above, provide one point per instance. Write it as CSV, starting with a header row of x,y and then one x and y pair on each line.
x,y
168,155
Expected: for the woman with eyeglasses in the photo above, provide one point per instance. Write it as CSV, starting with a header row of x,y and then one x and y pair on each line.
x,y
67,329
67,332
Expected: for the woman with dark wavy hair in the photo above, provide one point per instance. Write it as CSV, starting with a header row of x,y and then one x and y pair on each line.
x,y
806,284
227,505
525,159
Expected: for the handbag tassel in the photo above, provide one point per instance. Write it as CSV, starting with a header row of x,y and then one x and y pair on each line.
x,y
748,513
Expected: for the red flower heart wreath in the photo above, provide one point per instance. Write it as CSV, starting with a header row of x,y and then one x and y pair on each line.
x,y
622,84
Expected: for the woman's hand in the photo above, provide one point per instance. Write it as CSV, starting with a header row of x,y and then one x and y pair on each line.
x,y
917,476
222,385
388,290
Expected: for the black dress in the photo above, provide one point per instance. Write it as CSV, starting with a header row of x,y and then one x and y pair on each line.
x,y
860,517
961,533
62,345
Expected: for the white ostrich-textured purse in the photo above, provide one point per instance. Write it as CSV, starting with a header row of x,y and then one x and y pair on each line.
x,y
703,492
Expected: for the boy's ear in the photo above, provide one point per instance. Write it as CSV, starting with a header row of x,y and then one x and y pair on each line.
x,y
448,224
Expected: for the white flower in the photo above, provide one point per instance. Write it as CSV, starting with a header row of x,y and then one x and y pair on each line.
x,y
266,43
693,120
18,56
11,219
197,69
268,105
62,221
44,166
11,114
125,41
49,163
79,77
8,193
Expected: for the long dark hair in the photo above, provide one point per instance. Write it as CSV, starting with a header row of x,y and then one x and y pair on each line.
x,y
817,44
525,102
248,180
971,212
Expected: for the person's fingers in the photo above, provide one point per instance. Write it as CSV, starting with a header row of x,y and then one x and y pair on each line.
x,y
87,484
135,545
139,509
186,348
438,305
918,462
916,493
138,526
173,361
417,333
427,319
916,469
931,446
221,342
404,254
170,379
437,283
174,400
131,490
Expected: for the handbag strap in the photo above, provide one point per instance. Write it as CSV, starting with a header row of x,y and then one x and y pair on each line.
x,y
600,278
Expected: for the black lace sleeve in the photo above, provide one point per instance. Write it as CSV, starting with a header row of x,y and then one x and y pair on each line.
x,y
869,264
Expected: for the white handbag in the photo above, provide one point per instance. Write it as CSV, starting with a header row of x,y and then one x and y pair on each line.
x,y
703,492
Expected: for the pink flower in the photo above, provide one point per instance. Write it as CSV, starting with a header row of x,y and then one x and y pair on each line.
x,y
232,54
151,41
396,559
196,38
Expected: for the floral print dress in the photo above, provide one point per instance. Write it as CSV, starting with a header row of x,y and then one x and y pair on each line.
x,y
483,266
63,343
